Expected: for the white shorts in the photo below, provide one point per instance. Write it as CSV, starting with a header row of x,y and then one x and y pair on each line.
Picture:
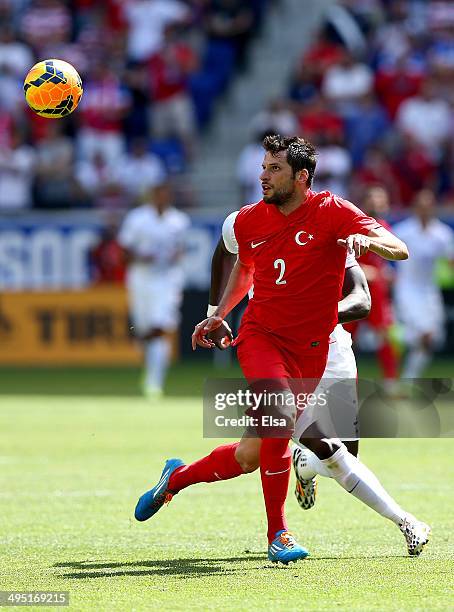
x,y
154,303
337,390
420,312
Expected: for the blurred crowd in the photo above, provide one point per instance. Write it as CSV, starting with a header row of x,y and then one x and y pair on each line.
x,y
373,91
152,70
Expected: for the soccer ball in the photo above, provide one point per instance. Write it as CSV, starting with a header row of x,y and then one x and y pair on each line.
x,y
53,88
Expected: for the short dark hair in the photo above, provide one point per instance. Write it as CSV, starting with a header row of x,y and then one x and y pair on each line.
x,y
301,154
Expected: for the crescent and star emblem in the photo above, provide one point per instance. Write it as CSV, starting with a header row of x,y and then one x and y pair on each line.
x,y
299,234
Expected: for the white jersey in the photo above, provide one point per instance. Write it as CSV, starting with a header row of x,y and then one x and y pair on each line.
x,y
155,288
419,303
425,245
145,232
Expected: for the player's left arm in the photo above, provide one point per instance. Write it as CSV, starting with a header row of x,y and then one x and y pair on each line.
x,y
378,240
356,303
222,264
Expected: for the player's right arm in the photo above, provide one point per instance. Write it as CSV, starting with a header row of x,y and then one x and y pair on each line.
x,y
127,238
130,257
222,266
239,284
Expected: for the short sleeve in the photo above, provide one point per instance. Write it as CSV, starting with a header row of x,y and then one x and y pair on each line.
x,y
349,219
350,261
448,243
183,224
228,233
127,234
244,248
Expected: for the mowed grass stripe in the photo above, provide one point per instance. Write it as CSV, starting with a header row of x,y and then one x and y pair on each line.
x,y
75,466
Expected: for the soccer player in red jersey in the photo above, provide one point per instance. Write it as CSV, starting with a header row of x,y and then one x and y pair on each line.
x,y
292,248
337,381
376,203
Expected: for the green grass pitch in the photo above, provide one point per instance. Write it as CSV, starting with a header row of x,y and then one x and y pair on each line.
x,y
72,467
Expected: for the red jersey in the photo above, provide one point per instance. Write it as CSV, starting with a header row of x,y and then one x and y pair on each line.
x,y
299,268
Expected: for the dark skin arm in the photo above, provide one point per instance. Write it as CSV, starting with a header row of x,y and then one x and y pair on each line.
x,y
355,304
130,257
222,264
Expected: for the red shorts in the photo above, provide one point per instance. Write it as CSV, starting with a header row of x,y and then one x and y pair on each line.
x,y
270,367
261,356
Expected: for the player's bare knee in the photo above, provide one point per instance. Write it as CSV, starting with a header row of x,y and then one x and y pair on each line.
x,y
322,447
248,463
248,455
249,466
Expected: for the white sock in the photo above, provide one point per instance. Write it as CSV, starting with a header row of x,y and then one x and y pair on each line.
x,y
358,480
415,362
157,358
310,465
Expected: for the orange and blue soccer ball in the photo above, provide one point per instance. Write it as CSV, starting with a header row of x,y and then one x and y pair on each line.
x,y
53,88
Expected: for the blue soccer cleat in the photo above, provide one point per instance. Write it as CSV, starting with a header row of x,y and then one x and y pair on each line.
x,y
153,500
285,548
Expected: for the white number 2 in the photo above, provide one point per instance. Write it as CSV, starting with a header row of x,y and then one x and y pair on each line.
x,y
280,263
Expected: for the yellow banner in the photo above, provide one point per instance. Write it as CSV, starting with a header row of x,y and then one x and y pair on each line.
x,y
67,328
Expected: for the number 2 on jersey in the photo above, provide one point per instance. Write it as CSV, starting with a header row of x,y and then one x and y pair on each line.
x,y
280,263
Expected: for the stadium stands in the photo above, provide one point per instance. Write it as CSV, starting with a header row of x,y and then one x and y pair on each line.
x,y
150,68
377,75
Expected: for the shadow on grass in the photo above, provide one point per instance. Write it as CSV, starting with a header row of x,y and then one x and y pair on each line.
x,y
185,568
181,568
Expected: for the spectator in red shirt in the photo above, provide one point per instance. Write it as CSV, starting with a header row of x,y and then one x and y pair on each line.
x,y
172,110
112,12
396,83
376,169
105,103
321,55
108,258
316,119
414,169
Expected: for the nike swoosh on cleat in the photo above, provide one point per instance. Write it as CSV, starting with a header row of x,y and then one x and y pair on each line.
x,y
267,473
161,483
256,244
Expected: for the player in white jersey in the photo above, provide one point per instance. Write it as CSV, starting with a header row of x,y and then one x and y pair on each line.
x,y
418,300
153,236
341,366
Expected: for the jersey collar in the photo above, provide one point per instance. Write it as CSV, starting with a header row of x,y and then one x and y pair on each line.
x,y
275,213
